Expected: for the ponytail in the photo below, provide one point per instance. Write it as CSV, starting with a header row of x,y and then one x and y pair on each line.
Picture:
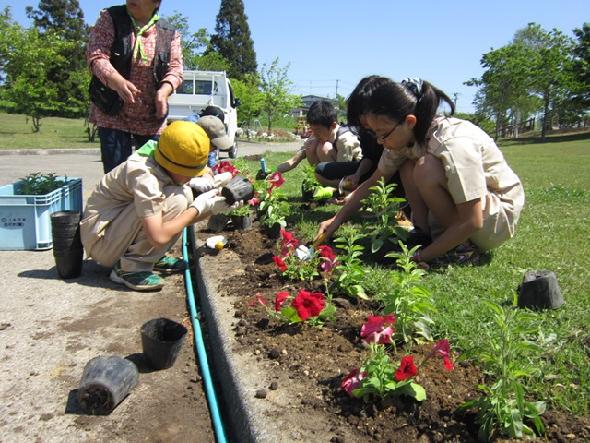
x,y
428,102
411,96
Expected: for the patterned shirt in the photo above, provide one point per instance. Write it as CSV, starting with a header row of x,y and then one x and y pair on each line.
x,y
139,117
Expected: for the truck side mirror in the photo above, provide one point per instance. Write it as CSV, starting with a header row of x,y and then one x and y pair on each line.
x,y
236,102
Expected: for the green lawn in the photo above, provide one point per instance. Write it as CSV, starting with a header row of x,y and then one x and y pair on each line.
x,y
16,133
553,234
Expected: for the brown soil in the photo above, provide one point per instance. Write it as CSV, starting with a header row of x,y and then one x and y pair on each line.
x,y
312,361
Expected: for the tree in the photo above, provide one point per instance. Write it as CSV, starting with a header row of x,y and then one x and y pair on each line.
x,y
581,67
60,16
64,20
232,38
197,52
28,61
248,91
550,61
503,87
275,85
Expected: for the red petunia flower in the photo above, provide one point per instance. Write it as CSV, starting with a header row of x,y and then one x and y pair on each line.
x,y
254,201
280,263
275,180
225,166
448,364
308,304
326,252
443,349
378,329
288,243
280,299
352,381
407,368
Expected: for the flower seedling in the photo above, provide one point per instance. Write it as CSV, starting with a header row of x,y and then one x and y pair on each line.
x,y
309,307
39,184
384,208
503,409
378,377
350,273
407,298
301,263
273,209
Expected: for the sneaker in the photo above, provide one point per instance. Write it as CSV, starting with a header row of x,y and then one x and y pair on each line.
x,y
138,281
169,265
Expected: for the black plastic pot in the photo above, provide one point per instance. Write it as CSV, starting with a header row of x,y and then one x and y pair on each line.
x,y
105,382
306,193
69,263
162,339
242,222
67,247
539,290
273,231
238,189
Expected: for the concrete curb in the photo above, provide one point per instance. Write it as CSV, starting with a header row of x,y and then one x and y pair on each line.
x,y
239,419
92,151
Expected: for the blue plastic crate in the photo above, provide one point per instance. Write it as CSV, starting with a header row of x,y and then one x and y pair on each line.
x,y
25,220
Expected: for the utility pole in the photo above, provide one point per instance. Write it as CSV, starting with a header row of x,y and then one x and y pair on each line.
x,y
336,96
455,97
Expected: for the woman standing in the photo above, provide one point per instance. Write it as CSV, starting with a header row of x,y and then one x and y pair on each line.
x,y
136,62
455,177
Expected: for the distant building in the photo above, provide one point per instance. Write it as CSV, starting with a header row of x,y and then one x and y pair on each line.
x,y
306,101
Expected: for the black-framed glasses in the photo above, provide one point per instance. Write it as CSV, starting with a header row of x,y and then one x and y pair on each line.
x,y
381,138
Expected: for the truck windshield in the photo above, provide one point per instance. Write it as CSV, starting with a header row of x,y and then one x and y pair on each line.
x,y
197,87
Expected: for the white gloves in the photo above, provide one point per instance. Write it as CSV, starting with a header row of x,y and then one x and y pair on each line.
x,y
211,203
207,182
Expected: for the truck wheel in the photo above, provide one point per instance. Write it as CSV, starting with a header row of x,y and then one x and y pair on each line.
x,y
233,151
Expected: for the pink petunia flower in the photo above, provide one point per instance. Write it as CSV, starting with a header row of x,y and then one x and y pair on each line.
x,y
280,263
352,381
378,329
280,299
254,201
407,368
442,348
308,304
258,299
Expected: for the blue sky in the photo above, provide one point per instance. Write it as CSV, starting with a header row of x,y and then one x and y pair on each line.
x,y
325,41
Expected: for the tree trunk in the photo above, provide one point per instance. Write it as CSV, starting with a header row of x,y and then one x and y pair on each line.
x,y
36,123
546,120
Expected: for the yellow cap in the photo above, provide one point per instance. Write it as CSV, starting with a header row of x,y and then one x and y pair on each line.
x,y
183,149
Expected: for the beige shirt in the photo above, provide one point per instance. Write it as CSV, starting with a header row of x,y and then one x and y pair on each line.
x,y
475,169
347,146
139,181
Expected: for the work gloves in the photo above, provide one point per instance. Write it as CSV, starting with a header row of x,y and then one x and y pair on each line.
x,y
211,203
208,182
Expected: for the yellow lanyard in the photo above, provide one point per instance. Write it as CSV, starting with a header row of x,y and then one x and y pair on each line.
x,y
139,31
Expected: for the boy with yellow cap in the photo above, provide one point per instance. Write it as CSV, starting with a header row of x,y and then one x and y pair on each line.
x,y
138,210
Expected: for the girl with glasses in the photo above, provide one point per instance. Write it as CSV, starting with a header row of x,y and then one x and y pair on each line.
x,y
456,180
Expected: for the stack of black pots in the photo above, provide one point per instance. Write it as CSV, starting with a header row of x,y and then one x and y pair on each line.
x,y
67,247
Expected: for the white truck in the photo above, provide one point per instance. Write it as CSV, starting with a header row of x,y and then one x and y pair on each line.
x,y
200,89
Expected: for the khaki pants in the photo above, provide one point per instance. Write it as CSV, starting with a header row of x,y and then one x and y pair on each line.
x,y
124,238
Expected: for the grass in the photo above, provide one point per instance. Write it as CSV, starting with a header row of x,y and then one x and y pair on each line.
x,y
56,133
553,234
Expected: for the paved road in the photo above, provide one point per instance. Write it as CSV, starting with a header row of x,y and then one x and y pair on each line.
x,y
86,163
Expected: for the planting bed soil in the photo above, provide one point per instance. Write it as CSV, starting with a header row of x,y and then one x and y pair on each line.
x,y
293,372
